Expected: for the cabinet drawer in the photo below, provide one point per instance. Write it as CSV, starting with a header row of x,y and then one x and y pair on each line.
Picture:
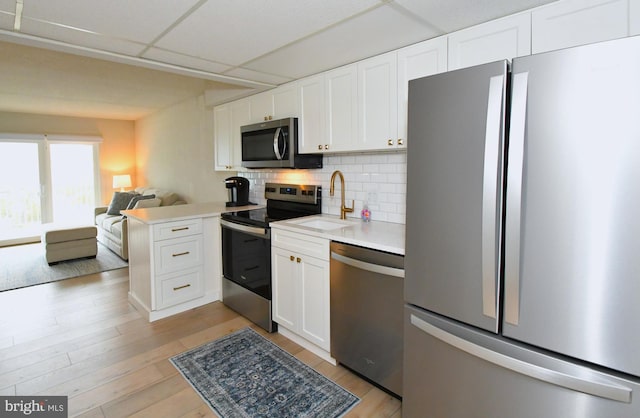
x,y
300,243
178,254
179,287
177,229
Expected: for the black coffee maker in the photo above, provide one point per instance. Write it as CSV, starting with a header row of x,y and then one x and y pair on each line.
x,y
238,191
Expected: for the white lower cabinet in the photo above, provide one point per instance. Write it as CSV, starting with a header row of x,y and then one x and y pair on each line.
x,y
300,280
168,270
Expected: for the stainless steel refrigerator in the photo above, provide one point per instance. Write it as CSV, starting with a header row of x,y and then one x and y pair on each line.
x,y
522,260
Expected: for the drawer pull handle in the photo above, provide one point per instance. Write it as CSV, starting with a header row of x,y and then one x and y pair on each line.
x,y
184,228
181,287
179,254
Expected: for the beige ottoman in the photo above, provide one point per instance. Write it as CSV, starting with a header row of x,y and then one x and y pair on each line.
x,y
70,243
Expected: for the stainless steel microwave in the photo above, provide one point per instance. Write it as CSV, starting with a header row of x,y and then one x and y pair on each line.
x,y
274,144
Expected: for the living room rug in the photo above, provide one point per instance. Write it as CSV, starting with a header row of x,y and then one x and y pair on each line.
x,y
245,375
25,265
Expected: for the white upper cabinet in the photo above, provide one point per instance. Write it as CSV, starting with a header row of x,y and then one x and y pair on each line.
x,y
227,120
634,17
378,102
312,117
281,102
578,22
504,38
416,61
341,93
328,111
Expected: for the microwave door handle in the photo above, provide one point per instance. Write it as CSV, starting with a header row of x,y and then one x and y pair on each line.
x,y
276,148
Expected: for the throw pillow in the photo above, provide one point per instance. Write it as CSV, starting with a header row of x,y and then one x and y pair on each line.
x,y
119,201
136,198
148,203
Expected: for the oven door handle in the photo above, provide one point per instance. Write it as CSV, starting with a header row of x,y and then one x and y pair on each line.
x,y
251,230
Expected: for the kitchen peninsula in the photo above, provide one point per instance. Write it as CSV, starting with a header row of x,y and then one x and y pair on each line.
x,y
175,257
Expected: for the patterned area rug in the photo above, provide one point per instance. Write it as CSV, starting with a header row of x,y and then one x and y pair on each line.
x,y
25,265
245,375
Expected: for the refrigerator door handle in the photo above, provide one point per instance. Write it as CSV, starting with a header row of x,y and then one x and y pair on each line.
x,y
490,189
514,198
573,382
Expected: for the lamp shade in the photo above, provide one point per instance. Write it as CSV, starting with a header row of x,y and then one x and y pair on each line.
x,y
121,181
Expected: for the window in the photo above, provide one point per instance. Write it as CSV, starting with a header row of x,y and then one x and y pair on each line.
x,y
45,179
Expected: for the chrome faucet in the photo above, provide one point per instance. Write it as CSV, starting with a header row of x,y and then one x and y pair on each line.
x,y
343,209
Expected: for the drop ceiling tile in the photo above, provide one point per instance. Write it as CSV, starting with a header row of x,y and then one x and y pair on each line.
x,y
450,15
8,6
161,55
138,20
236,31
80,38
247,74
6,21
362,37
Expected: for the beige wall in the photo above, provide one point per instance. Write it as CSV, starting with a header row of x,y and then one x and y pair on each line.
x,y
175,151
117,151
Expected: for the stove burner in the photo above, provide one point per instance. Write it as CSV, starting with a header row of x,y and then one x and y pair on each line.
x,y
285,201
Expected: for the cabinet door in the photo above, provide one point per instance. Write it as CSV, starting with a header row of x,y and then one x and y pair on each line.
x,y
240,116
342,108
505,38
377,102
285,288
634,17
415,61
261,105
222,137
314,309
227,120
571,23
285,102
312,122
281,102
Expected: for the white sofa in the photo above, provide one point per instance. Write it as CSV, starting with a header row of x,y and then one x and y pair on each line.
x,y
112,226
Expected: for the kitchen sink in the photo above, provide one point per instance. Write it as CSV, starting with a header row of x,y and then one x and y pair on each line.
x,y
324,225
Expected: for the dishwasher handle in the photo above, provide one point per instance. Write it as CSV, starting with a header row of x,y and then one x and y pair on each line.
x,y
363,265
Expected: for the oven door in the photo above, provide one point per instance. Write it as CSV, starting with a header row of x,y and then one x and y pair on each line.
x,y
246,257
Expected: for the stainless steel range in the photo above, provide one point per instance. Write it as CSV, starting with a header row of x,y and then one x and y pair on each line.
x,y
246,248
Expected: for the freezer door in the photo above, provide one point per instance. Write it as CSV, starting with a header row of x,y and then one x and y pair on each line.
x,y
455,371
572,267
454,183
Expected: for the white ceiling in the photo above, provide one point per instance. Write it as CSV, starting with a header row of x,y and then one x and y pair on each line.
x,y
123,59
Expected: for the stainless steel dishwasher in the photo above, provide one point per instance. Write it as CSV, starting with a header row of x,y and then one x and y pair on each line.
x,y
367,313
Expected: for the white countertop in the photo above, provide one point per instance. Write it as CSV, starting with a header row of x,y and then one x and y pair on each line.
x,y
182,212
383,236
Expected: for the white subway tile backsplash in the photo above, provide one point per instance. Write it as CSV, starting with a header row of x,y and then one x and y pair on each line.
x,y
378,180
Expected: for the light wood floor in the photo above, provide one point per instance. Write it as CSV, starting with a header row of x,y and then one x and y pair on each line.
x,y
80,338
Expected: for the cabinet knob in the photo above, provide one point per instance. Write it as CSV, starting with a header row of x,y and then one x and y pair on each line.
x,y
390,142
266,118
326,146
320,147
270,117
291,258
400,141
298,260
